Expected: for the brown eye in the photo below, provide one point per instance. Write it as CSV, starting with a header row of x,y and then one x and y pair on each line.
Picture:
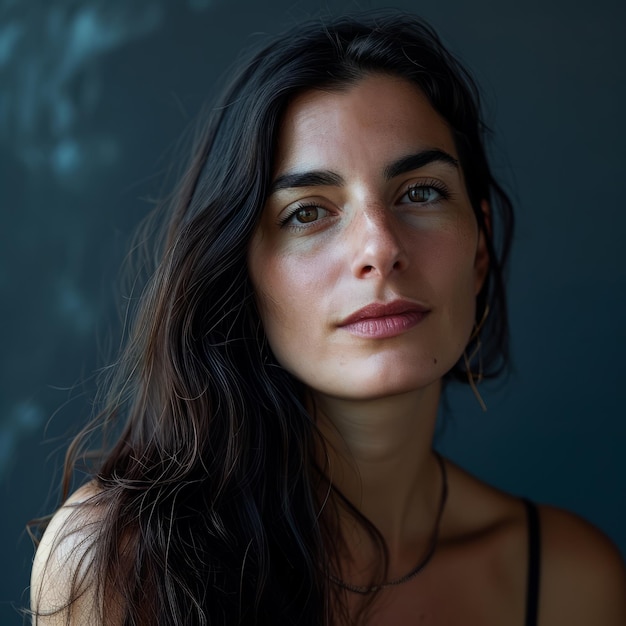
x,y
422,193
307,214
304,215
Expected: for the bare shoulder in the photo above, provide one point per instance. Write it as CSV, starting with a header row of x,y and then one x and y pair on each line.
x,y
583,577
61,564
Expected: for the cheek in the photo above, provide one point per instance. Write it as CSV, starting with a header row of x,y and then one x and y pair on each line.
x,y
448,266
447,260
284,293
291,282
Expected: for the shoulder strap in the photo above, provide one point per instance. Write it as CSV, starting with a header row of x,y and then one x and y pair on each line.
x,y
534,563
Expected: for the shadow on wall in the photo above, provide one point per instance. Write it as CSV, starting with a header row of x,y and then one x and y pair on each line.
x,y
49,60
50,64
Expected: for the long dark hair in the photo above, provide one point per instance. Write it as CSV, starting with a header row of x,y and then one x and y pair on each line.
x,y
209,505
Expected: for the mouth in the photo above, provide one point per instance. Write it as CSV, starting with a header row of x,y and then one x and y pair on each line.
x,y
383,320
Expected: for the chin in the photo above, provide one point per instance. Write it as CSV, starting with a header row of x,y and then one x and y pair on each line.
x,y
362,376
370,386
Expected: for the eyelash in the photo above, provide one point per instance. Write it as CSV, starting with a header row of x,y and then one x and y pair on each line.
x,y
302,205
437,185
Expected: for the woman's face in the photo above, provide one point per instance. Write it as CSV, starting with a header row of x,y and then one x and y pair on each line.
x,y
367,258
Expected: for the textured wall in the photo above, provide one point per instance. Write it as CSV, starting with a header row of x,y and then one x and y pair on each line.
x,y
93,95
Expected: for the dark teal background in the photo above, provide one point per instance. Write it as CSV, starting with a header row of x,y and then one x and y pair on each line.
x,y
93,96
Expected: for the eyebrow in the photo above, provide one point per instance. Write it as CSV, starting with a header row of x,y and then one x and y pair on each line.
x,y
327,178
317,178
418,160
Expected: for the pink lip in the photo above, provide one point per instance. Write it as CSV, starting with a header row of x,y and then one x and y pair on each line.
x,y
380,321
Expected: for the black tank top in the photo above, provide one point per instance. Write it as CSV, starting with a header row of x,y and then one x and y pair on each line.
x,y
534,563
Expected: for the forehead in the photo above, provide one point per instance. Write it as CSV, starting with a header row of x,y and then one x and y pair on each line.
x,y
376,118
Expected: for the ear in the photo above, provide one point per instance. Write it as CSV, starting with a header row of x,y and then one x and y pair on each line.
x,y
481,260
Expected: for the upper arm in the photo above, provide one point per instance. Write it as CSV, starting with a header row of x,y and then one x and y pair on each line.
x,y
62,591
583,574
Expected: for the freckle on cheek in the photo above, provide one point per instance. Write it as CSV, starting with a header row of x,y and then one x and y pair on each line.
x,y
435,361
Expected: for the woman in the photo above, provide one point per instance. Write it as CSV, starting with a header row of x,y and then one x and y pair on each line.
x,y
330,263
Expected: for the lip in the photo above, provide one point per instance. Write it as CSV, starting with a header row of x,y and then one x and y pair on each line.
x,y
382,320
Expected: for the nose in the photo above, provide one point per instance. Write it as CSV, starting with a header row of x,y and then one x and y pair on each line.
x,y
376,244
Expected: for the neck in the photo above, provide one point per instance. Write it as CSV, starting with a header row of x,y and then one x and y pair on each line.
x,y
380,458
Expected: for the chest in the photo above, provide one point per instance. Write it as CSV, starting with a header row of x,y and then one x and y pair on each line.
x,y
459,588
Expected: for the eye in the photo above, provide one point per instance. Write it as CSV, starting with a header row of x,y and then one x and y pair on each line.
x,y
425,193
307,214
304,214
422,194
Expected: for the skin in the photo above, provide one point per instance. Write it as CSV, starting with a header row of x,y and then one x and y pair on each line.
x,y
376,399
